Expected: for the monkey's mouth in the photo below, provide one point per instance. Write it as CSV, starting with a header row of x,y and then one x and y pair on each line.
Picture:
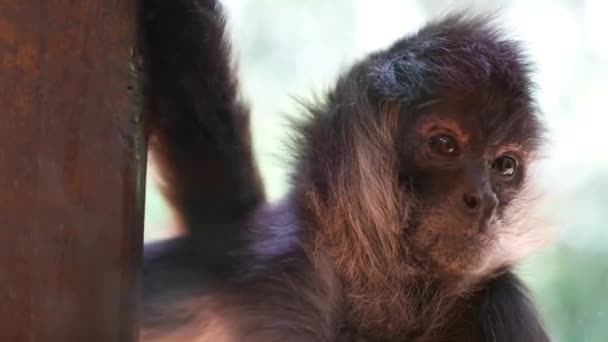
x,y
486,224
443,229
482,227
481,224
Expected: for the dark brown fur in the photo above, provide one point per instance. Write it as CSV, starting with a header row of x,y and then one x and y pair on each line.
x,y
373,242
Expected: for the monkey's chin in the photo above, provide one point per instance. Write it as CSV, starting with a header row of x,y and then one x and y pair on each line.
x,y
457,255
457,265
452,247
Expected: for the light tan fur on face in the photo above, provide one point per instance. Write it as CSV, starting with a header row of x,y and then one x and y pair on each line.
x,y
521,231
362,222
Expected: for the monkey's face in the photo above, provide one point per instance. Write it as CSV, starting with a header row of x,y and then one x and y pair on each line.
x,y
465,162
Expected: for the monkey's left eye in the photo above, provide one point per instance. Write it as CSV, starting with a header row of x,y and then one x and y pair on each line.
x,y
444,145
505,165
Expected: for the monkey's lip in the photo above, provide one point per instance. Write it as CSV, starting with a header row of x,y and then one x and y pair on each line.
x,y
483,226
478,227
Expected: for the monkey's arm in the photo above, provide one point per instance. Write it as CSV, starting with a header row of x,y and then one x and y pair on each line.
x,y
199,129
500,312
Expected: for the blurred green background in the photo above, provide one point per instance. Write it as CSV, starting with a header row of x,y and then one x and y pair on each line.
x,y
294,49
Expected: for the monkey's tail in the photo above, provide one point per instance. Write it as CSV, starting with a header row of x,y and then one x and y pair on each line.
x,y
199,128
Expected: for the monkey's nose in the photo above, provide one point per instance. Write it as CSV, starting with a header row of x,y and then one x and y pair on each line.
x,y
472,202
475,202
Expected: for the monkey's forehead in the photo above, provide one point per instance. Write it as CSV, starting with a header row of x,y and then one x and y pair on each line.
x,y
467,62
463,52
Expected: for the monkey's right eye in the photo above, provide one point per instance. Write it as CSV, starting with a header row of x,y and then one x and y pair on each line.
x,y
444,145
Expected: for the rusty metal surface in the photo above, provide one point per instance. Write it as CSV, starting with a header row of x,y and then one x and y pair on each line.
x,y
71,171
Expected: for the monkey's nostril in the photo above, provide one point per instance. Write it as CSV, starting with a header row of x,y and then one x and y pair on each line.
x,y
471,201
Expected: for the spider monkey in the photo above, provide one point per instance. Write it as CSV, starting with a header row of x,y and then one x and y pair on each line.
x,y
407,203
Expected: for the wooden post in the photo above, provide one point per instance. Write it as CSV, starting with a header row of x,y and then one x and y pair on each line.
x,y
72,169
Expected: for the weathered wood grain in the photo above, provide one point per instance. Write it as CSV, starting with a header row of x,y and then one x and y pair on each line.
x,y
72,168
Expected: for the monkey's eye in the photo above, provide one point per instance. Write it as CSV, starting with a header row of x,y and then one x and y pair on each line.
x,y
444,145
505,165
